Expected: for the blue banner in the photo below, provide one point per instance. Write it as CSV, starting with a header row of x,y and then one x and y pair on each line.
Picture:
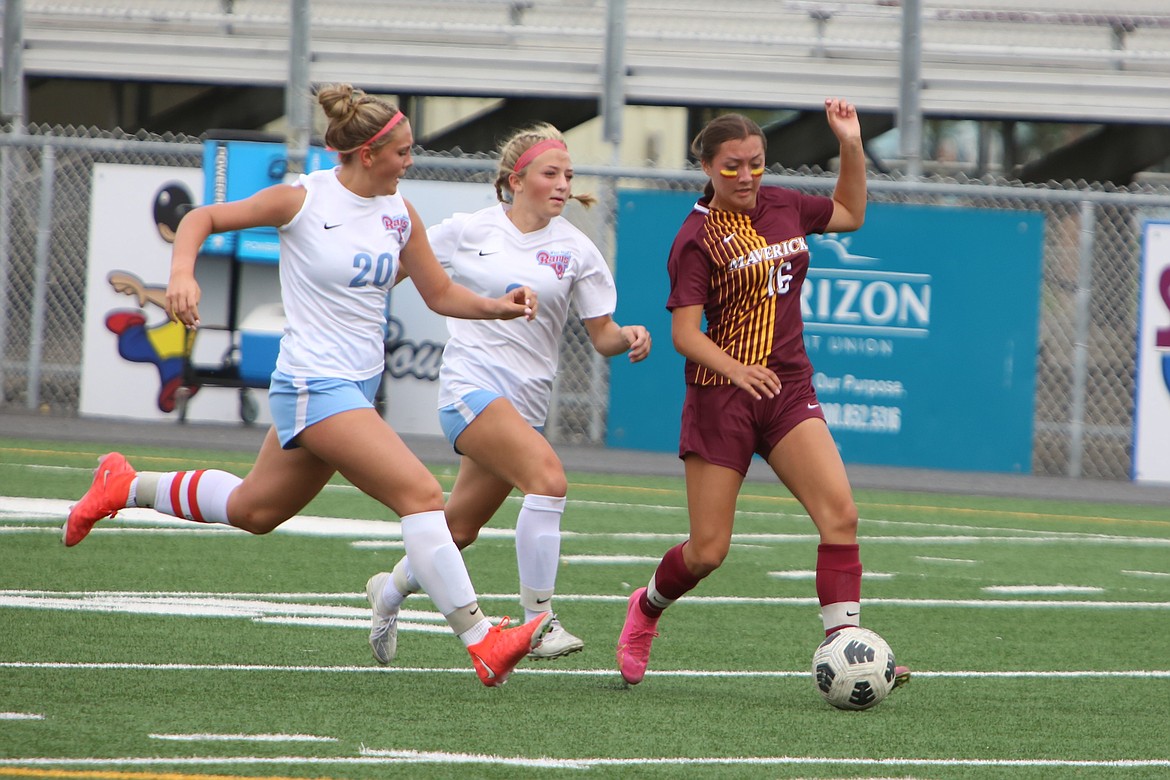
x,y
921,327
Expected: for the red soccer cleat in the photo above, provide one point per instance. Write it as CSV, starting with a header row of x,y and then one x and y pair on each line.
x,y
109,492
497,654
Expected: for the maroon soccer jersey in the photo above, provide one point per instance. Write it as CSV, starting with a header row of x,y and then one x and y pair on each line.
x,y
746,269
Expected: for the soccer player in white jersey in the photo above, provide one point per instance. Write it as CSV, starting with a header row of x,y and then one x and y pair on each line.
x,y
345,235
496,378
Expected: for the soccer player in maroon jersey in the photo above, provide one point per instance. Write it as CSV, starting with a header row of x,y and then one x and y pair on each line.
x,y
740,258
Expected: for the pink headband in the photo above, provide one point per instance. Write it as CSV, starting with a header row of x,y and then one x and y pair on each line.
x,y
534,151
386,128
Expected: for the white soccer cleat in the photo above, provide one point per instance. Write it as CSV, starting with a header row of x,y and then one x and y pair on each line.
x,y
556,643
383,622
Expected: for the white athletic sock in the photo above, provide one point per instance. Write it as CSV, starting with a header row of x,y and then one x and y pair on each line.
x,y
476,633
401,584
538,551
200,495
438,566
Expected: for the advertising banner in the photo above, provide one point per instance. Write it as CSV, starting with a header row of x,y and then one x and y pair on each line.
x,y
1151,450
133,355
921,327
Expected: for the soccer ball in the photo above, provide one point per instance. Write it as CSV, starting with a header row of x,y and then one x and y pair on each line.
x,y
853,668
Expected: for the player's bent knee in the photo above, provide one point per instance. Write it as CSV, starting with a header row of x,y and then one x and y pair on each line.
x,y
425,497
259,522
547,480
703,561
464,537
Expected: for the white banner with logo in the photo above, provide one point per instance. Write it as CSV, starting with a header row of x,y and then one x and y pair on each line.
x,y
133,356
1151,451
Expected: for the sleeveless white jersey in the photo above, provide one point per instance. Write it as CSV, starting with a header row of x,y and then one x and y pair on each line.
x,y
338,259
518,359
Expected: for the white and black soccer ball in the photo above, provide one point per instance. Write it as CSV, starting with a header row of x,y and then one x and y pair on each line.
x,y
853,668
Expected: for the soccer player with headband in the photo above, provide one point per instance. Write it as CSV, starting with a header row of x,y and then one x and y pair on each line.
x,y
496,379
739,260
346,234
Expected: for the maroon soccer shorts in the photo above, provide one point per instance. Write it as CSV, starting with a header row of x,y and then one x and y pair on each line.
x,y
724,425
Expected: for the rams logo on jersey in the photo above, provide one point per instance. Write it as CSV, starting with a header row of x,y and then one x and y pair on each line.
x,y
558,261
398,223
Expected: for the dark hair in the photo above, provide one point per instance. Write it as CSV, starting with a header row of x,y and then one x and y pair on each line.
x,y
354,117
514,147
721,129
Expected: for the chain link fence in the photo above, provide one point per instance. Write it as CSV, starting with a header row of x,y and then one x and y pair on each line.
x,y
1084,403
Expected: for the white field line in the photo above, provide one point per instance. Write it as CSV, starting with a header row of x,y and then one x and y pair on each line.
x,y
604,560
241,738
929,559
1050,590
1073,674
372,757
346,528
811,575
1139,573
55,510
269,607
21,716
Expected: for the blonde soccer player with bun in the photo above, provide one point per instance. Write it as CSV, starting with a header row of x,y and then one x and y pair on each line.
x,y
345,234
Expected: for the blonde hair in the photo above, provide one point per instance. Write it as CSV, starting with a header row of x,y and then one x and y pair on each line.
x,y
511,151
354,118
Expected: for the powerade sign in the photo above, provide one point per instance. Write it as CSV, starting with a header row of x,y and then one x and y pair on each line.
x,y
921,327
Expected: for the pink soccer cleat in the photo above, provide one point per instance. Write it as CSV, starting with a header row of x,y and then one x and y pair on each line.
x,y
633,650
109,492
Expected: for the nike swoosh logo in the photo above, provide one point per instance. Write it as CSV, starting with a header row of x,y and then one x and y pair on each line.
x,y
728,239
474,611
491,673
330,227
490,252
544,601
852,614
813,406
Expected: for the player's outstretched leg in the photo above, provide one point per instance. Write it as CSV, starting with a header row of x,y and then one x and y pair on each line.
x,y
495,656
109,492
633,649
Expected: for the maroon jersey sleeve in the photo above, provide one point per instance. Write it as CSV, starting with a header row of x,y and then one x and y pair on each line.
x,y
815,213
688,266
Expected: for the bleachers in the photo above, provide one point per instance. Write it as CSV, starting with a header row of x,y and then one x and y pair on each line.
x,y
1036,59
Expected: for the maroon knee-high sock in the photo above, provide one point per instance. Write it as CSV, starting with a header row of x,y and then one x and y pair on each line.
x,y
671,580
839,583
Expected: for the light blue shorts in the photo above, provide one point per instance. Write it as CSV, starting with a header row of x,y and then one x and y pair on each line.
x,y
296,404
457,416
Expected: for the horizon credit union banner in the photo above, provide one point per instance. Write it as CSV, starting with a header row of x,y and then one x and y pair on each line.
x,y
921,328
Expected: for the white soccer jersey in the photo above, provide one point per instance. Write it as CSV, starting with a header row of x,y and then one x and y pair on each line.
x,y
518,359
338,259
